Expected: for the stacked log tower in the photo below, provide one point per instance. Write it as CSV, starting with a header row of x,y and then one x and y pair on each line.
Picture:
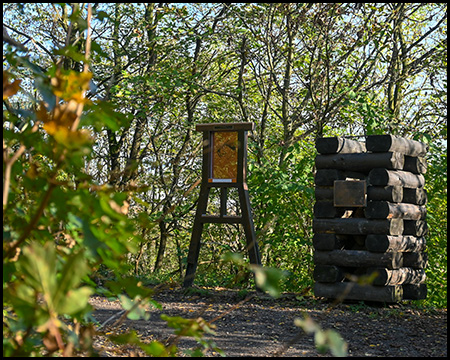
x,y
370,219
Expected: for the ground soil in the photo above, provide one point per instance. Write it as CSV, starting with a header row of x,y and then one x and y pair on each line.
x,y
253,324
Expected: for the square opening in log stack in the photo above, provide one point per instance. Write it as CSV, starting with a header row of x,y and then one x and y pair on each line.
x,y
350,193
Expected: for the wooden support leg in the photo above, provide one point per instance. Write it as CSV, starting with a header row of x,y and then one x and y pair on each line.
x,y
249,228
194,247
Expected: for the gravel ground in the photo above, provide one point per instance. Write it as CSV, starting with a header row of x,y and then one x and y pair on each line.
x,y
252,324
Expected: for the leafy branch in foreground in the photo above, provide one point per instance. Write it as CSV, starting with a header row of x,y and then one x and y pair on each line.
x,y
59,226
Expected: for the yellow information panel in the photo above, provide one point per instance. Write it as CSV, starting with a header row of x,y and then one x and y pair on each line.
x,y
224,156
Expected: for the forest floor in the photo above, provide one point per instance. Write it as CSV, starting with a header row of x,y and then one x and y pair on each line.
x,y
253,324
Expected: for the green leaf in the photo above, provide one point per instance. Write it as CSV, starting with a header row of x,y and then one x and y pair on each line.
x,y
324,340
101,15
338,346
135,307
90,240
43,86
73,271
235,258
155,348
75,301
38,265
187,327
70,51
268,279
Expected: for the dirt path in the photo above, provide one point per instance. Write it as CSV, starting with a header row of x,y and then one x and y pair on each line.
x,y
262,326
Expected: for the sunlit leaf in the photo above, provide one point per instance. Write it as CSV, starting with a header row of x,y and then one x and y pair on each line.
x,y
268,279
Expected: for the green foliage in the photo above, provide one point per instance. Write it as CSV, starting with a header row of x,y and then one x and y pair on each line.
x,y
266,278
436,187
282,200
154,348
60,227
324,339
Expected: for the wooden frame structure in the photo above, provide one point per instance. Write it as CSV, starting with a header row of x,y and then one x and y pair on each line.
x,y
224,166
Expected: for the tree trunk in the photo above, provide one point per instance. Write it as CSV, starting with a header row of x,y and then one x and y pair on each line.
x,y
162,246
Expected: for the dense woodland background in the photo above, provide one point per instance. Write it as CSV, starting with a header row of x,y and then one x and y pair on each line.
x,y
102,163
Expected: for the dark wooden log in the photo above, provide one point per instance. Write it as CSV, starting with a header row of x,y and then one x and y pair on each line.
x,y
381,193
415,260
363,162
414,292
385,193
326,209
329,241
388,210
383,143
328,273
415,227
416,196
358,226
358,258
404,275
323,193
385,177
416,165
326,177
403,243
353,291
335,145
